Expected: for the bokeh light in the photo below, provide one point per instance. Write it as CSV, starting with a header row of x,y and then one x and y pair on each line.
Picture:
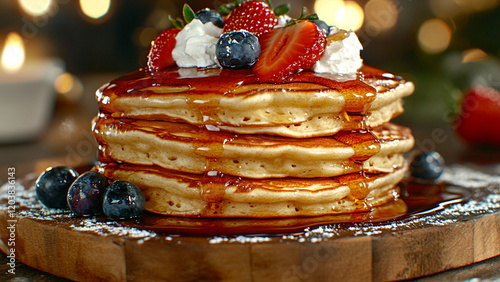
x,y
95,9
145,35
381,14
69,87
445,8
472,6
434,36
473,55
36,8
453,8
343,14
13,53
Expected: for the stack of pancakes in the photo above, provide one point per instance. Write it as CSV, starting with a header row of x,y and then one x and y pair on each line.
x,y
217,143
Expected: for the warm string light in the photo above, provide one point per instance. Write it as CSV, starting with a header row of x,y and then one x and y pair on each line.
x,y
36,8
381,14
453,8
343,14
434,36
69,86
91,9
95,9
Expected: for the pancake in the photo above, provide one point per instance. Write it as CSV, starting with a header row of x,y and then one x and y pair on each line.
x,y
185,147
309,105
218,143
213,195
325,125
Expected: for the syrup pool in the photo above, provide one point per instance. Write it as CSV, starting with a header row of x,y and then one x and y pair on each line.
x,y
417,199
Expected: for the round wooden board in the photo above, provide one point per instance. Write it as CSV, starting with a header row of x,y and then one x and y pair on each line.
x,y
83,255
92,249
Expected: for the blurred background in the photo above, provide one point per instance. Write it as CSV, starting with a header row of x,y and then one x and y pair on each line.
x,y
70,48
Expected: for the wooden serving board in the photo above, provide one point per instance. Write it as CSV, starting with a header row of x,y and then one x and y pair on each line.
x,y
92,249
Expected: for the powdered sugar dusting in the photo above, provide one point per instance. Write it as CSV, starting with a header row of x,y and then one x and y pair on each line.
x,y
239,239
464,176
111,228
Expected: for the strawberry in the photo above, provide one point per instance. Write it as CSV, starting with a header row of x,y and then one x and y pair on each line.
x,y
160,55
253,16
479,120
285,51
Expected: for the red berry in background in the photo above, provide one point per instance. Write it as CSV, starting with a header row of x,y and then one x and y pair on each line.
x,y
479,119
160,55
253,16
285,51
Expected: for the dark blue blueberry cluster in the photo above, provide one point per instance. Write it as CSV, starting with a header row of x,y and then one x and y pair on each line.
x,y
89,194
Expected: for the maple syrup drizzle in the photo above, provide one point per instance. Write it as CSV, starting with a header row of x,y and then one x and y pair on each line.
x,y
365,145
207,106
213,186
358,96
358,185
210,144
353,121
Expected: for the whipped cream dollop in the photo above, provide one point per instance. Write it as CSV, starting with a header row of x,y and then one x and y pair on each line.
x,y
341,56
195,45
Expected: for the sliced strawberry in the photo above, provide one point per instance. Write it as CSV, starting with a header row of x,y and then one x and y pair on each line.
x,y
285,51
253,16
160,55
479,120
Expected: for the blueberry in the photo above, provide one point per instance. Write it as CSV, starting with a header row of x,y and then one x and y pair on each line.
x,y
323,26
123,200
208,15
427,165
53,184
237,49
86,194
